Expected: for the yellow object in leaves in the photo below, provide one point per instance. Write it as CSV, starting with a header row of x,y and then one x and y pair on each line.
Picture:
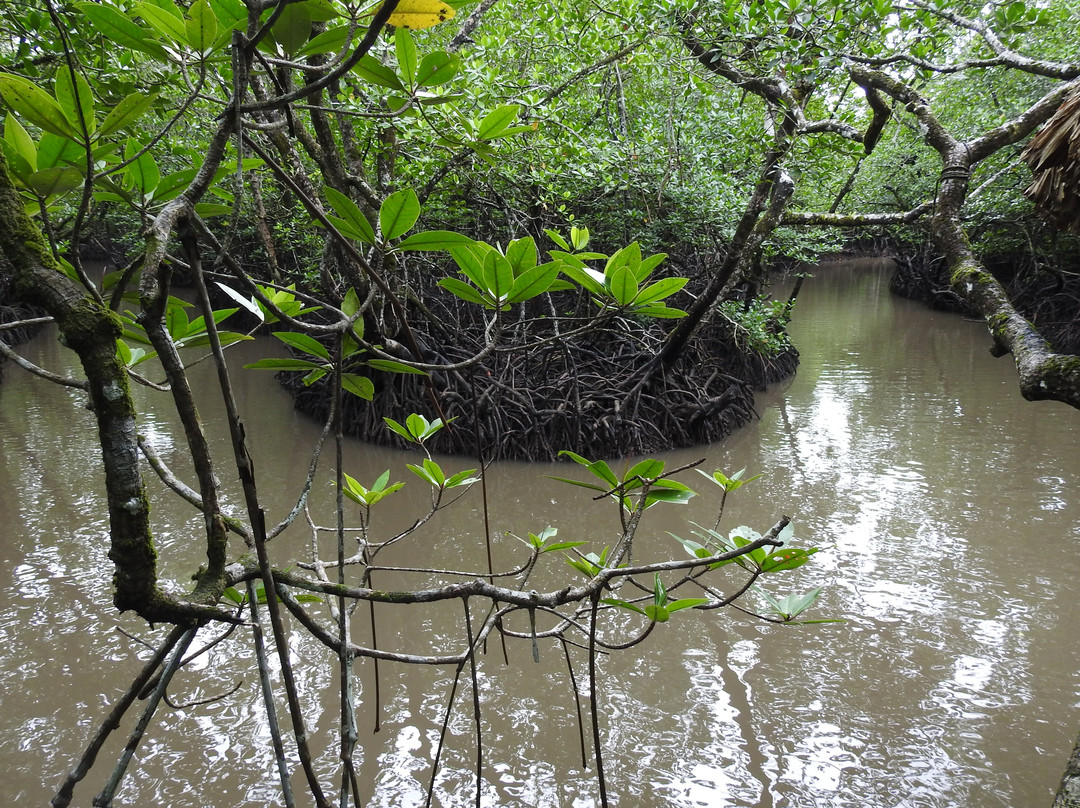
x,y
418,14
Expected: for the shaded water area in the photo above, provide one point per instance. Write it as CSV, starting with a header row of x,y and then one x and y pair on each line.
x,y
946,507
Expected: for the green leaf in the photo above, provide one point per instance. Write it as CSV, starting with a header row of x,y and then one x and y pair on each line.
x,y
390,366
398,213
75,98
659,590
522,255
659,290
590,564
430,472
498,276
420,426
466,477
19,168
561,545
437,68
646,267
359,386
172,185
120,30
515,130
692,547
208,209
35,105
496,121
405,49
470,260
685,603
123,351
371,69
579,237
201,26
20,141
284,364
660,312
622,604
400,430
417,428
428,99
176,319
434,240
126,113
623,286
345,228
787,559
293,28
648,469
304,343
363,496
199,323
792,605
464,291
203,339
56,180
559,240
599,468
732,483
323,10
533,282
229,12
579,483
381,481
545,534
170,7
580,566
54,150
330,41
628,256
351,304
349,345
658,614
285,302
350,213
585,277
485,153
670,491
166,23
143,171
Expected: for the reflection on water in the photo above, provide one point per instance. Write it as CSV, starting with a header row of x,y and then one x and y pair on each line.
x,y
946,506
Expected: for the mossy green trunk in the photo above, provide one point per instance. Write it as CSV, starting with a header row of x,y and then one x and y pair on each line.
x,y
91,330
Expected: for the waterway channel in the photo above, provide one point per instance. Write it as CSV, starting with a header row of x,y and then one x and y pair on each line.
x,y
946,508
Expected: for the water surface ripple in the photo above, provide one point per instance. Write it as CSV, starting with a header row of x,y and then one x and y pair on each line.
x,y
946,506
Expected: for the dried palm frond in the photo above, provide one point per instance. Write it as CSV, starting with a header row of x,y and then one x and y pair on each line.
x,y
1054,158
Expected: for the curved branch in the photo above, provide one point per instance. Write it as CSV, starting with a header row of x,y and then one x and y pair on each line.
x,y
1043,373
934,67
30,367
817,219
1009,57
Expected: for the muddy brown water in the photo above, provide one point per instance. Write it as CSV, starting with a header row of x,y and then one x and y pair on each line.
x,y
945,505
